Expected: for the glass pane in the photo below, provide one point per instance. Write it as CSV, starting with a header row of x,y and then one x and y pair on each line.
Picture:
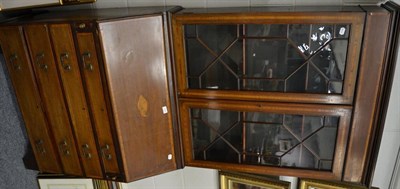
x,y
299,35
297,81
318,145
264,30
320,35
339,56
317,83
283,140
302,126
216,131
298,58
299,157
217,37
271,58
220,151
219,76
330,62
190,31
261,84
233,58
198,56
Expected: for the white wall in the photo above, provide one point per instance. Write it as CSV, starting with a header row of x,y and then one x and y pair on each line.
x,y
198,178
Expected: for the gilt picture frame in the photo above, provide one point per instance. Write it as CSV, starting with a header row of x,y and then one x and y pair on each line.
x,y
316,184
229,180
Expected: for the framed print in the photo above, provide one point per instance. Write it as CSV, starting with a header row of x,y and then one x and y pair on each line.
x,y
230,180
65,183
316,184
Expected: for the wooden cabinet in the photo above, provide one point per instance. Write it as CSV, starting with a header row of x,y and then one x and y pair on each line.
x,y
94,91
281,91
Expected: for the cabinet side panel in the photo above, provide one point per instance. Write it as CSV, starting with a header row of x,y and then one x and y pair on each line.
x,y
17,61
69,69
369,81
53,99
134,55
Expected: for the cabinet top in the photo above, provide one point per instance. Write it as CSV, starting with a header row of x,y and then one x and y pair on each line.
x,y
88,14
276,9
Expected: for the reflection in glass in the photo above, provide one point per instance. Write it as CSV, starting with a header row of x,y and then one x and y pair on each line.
x,y
282,140
300,58
264,30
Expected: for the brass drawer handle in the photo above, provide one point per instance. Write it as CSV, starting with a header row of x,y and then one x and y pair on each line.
x,y
86,151
104,151
39,146
63,60
39,57
13,59
86,64
64,147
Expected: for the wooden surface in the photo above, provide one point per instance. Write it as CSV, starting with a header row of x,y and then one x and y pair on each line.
x,y
91,14
366,99
21,73
45,67
74,93
96,100
356,19
136,75
361,87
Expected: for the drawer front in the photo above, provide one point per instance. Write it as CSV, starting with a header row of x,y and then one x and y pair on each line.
x,y
289,58
69,70
279,137
23,80
53,99
96,100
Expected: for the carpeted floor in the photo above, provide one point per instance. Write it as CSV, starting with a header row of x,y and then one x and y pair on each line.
x,y
13,140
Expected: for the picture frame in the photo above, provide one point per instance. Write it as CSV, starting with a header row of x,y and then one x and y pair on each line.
x,y
229,180
56,182
317,184
65,183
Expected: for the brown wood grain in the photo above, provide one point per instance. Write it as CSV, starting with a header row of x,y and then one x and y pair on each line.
x,y
24,83
97,101
62,39
45,68
135,69
370,77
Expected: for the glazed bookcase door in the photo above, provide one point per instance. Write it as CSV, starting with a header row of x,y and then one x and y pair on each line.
x,y
23,80
267,138
289,57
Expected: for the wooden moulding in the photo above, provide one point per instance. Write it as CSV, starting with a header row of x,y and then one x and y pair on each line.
x,y
372,65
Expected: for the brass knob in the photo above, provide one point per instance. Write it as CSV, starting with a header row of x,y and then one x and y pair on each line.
x,y
13,59
82,25
104,151
86,151
39,57
39,146
64,147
